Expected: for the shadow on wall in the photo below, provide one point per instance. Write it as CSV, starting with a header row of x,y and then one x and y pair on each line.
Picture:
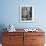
x,y
2,26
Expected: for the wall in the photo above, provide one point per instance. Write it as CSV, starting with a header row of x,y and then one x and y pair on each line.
x,y
10,13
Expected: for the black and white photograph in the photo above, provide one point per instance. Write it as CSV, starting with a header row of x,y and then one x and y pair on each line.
x,y
26,13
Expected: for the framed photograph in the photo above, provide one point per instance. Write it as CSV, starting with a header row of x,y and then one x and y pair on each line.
x,y
26,13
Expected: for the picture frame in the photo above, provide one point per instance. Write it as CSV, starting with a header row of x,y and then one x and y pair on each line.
x,y
26,13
